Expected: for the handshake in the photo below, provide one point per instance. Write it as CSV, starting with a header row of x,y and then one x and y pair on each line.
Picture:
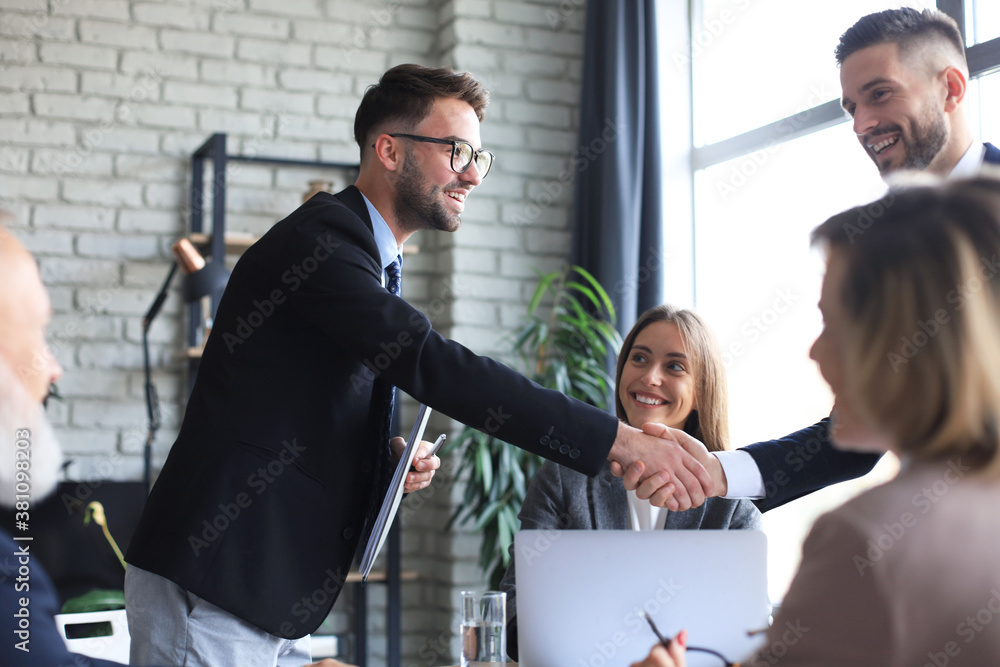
x,y
666,466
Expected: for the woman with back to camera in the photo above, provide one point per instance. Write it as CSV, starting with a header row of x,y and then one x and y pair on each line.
x,y
670,371
905,573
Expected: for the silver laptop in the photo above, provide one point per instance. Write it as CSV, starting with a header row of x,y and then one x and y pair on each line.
x,y
581,594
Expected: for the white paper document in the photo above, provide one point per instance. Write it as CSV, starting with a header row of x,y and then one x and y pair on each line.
x,y
394,495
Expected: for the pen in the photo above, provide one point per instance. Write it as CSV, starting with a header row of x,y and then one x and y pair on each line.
x,y
663,640
437,445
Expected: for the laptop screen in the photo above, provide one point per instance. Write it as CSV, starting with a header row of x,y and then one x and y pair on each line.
x,y
581,594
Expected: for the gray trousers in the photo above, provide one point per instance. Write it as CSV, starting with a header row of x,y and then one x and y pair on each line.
x,y
170,626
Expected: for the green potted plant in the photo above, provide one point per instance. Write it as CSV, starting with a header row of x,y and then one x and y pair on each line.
x,y
563,345
98,599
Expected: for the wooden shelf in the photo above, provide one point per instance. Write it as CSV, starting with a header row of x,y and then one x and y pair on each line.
x,y
236,242
355,577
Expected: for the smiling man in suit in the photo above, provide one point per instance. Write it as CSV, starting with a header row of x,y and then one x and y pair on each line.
x,y
904,79
284,452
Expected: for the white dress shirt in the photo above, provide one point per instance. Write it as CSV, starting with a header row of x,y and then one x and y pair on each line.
x,y
971,162
384,239
643,516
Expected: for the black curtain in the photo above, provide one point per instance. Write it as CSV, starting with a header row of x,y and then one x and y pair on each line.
x,y
618,212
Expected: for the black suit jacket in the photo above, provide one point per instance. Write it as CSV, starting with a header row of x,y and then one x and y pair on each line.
x,y
282,454
805,461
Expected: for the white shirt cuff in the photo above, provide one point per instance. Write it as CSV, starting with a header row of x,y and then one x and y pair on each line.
x,y
743,477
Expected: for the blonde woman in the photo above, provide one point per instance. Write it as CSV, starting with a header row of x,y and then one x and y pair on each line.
x,y
670,371
906,573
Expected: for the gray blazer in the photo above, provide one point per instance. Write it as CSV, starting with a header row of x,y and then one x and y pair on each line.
x,y
560,498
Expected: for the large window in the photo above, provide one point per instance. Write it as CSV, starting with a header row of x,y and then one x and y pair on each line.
x,y
772,157
982,37
982,21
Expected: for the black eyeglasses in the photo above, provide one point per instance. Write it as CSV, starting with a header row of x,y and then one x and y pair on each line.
x,y
53,394
462,153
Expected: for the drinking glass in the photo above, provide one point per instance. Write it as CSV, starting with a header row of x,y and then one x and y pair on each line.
x,y
484,628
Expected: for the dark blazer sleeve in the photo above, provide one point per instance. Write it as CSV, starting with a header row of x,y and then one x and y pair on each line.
x,y
992,155
45,644
346,302
803,462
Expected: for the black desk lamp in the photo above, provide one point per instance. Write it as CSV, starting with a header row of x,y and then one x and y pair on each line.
x,y
200,279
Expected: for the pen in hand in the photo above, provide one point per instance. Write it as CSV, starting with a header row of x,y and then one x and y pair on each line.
x,y
666,643
434,448
663,640
437,445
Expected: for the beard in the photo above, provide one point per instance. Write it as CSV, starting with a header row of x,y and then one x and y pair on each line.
x,y
928,140
929,136
22,419
418,209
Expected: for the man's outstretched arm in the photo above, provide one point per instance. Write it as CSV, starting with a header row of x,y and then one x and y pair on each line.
x,y
802,462
773,472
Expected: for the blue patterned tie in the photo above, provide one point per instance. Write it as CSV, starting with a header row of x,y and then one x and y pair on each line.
x,y
394,275
393,283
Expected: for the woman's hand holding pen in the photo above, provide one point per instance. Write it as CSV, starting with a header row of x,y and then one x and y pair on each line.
x,y
671,655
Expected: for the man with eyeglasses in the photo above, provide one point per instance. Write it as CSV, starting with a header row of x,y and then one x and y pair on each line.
x,y
284,452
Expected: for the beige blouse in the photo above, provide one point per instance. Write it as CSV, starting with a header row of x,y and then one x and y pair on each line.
x,y
906,574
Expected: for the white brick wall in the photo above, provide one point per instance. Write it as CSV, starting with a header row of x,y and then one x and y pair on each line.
x,y
101,104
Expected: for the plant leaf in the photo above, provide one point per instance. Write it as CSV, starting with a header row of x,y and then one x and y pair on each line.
x,y
517,480
587,292
484,469
490,511
540,291
97,599
608,305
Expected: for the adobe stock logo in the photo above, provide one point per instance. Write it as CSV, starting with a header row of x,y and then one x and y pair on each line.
x,y
925,330
968,630
753,328
606,648
893,533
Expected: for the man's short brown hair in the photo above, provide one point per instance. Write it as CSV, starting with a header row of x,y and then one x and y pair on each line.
x,y
905,27
404,96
